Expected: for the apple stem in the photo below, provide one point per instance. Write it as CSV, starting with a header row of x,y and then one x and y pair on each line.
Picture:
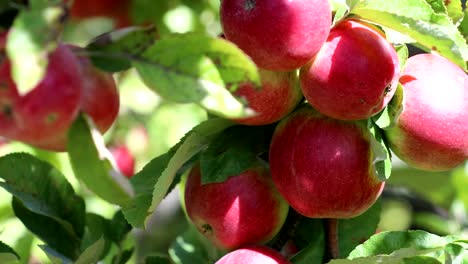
x,y
332,238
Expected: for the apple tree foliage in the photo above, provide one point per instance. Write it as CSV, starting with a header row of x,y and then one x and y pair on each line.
x,y
176,79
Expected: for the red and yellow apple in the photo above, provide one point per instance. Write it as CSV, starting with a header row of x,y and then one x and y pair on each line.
x,y
431,133
280,93
278,35
253,255
47,111
100,99
322,166
354,75
245,209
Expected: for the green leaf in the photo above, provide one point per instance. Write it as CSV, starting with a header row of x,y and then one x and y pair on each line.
x,y
233,151
49,230
96,228
157,259
421,260
7,254
455,10
118,228
113,51
419,21
354,231
122,257
156,179
93,253
31,38
388,260
86,146
43,192
454,253
438,6
389,115
463,27
194,68
340,9
403,53
310,237
54,256
382,161
143,183
187,248
401,244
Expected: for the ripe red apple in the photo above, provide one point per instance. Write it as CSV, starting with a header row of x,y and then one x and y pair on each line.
x,y
354,75
245,209
278,35
432,131
253,255
48,110
323,166
100,99
279,95
118,10
124,160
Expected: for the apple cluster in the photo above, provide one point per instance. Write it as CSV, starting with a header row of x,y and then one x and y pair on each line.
x,y
321,159
71,84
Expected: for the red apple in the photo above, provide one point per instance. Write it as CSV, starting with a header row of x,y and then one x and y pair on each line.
x,y
253,255
278,35
118,10
124,160
47,111
432,131
279,95
323,166
245,209
354,75
100,99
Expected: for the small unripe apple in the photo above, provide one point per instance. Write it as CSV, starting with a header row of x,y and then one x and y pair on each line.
x,y
124,160
354,75
278,35
245,209
48,110
279,95
431,133
118,10
323,166
253,255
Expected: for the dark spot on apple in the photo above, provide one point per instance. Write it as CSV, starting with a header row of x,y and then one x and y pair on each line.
x,y
447,2
51,118
217,61
7,110
362,101
249,4
434,48
206,229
